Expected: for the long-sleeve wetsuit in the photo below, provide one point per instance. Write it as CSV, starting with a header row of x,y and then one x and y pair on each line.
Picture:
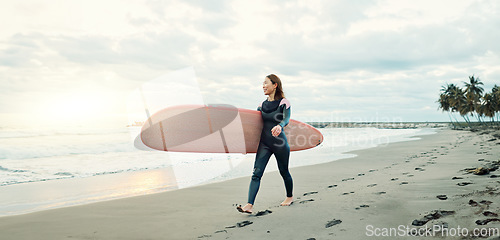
x,y
274,113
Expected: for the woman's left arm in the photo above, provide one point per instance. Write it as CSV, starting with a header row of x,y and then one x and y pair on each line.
x,y
286,116
285,104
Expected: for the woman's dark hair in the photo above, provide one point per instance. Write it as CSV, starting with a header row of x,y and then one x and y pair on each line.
x,y
279,94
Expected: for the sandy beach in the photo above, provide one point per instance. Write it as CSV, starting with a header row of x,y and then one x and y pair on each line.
x,y
387,192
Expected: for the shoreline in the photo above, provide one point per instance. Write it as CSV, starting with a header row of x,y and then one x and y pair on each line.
x,y
357,191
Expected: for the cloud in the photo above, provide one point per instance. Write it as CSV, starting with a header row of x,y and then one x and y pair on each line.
x,y
19,51
356,59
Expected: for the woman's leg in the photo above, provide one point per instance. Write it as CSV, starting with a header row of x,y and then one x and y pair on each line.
x,y
282,155
261,160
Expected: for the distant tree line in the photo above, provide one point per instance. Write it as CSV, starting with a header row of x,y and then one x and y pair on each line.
x,y
470,102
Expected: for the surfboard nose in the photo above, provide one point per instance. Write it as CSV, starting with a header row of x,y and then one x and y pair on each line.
x,y
320,141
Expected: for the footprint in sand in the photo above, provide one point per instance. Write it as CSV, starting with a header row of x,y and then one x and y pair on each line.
x,y
332,186
474,203
484,222
436,214
310,193
240,224
262,213
362,206
347,179
403,183
372,185
308,200
463,184
490,214
333,223
394,179
442,197
244,223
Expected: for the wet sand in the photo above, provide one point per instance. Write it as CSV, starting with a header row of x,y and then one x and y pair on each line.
x,y
384,187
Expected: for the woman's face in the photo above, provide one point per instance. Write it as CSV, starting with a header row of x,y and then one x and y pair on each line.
x,y
268,86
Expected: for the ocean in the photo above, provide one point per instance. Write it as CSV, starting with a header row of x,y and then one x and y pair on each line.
x,y
106,165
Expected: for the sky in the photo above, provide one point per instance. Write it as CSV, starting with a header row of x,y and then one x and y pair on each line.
x,y
76,62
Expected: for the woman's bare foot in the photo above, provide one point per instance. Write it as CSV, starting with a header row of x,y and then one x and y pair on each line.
x,y
246,209
287,201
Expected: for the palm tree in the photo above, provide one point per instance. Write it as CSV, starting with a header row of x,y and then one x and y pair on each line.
x,y
458,103
452,99
495,91
470,101
473,93
444,102
488,106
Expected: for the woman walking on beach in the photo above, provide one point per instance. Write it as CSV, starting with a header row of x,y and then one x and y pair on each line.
x,y
276,115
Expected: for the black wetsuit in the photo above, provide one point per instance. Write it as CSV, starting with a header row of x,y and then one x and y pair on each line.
x,y
274,113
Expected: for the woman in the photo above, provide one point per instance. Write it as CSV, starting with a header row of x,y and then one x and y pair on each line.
x,y
276,115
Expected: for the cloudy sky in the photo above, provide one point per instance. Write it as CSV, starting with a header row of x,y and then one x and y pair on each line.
x,y
77,61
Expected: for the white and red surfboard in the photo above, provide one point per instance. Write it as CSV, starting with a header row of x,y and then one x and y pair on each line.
x,y
217,129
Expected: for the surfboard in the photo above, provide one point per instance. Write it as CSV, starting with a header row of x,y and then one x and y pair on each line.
x,y
217,129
